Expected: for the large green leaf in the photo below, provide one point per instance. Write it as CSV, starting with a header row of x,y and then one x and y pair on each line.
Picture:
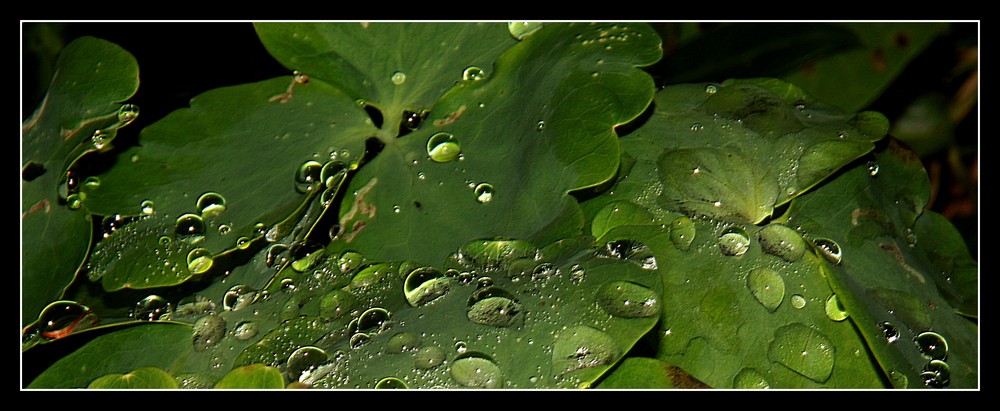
x,y
903,274
81,113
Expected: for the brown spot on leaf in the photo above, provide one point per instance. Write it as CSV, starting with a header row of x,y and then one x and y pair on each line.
x,y
681,379
877,58
808,69
901,39
451,117
41,205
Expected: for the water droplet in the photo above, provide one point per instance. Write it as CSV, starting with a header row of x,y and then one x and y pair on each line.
x,y
63,318
390,383
373,318
211,205
274,253
127,113
800,105
208,331
834,310
359,339
425,284
734,241
750,378
898,379
443,147
543,271
782,241
111,224
303,361
307,175
306,255
428,357
350,261
628,300
336,304
225,229
803,349
243,243
496,307
91,183
100,139
150,308
473,73
540,126
767,287
238,297
580,347
682,232
477,372
146,207
711,89
75,201
932,345
829,249
199,261
872,168
398,78
484,192
521,29
798,301
245,330
189,224
889,331
696,127
936,374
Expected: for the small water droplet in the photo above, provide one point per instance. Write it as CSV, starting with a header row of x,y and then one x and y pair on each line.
x,y
484,192
100,139
711,89
127,114
274,253
189,224
245,330
199,261
111,224
932,345
477,372
303,361
211,205
936,374
473,73
577,274
522,29
443,147
238,297
75,201
336,304
872,168
389,383
768,287
495,307
540,126
373,319
750,378
208,331
782,241
91,183
682,232
398,78
146,207
829,249
225,229
150,308
628,300
424,285
428,357
800,105
889,331
696,127
243,243
798,301
307,175
734,241
834,310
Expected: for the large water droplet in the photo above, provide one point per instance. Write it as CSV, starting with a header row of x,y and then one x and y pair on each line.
x,y
208,331
734,241
238,297
834,310
146,207
428,357
580,347
306,255
782,241
484,192
495,307
390,383
829,249
398,78
307,175
336,304
63,318
199,261
127,114
628,299
936,374
932,345
889,331
682,232
373,319
443,147
630,250
189,224
403,342
150,308
767,287
473,73
522,29
477,372
804,350
425,284
245,330
303,361
211,205
749,378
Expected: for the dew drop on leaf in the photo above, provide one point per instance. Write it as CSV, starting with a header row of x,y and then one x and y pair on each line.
x,y
767,287
199,261
189,224
303,361
150,308
495,307
146,207
932,345
402,342
750,378
477,372
398,78
872,168
238,297
834,311
682,232
307,175
473,73
75,201
127,113
390,383
443,147
889,331
782,241
734,241
245,330
428,357
628,300
63,318
208,331
798,301
425,284
804,350
484,192
580,347
211,205
829,249
936,374
522,29
373,319
91,183
711,89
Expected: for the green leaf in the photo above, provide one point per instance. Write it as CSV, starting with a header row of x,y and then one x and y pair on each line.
x,y
254,376
92,78
853,79
901,271
151,345
648,373
142,378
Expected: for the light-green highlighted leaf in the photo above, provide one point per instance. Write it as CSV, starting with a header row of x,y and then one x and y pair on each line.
x,y
142,378
253,376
